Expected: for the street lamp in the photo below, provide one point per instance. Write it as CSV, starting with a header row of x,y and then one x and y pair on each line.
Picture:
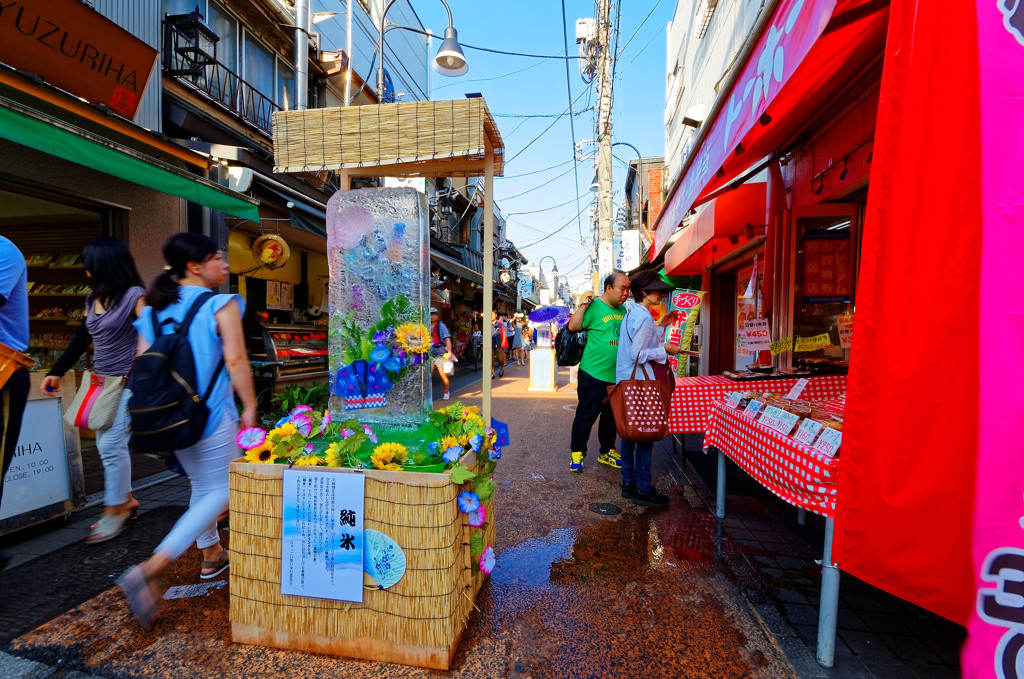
x,y
554,274
449,61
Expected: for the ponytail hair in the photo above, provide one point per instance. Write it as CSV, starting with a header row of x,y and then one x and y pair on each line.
x,y
179,250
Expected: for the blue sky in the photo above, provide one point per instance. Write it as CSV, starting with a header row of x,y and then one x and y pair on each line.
x,y
518,86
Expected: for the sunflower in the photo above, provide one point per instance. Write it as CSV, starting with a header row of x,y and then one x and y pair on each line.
x,y
386,453
261,453
284,431
308,460
447,442
391,468
413,337
334,457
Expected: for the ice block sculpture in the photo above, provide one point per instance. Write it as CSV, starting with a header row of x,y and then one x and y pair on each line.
x,y
378,252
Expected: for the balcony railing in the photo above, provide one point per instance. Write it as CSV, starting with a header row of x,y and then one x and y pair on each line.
x,y
222,85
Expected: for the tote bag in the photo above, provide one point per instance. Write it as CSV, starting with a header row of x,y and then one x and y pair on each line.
x,y
95,403
640,407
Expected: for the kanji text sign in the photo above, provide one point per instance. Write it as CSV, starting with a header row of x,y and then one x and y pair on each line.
x,y
756,335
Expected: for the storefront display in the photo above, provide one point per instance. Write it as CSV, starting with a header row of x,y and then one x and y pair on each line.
x,y
287,352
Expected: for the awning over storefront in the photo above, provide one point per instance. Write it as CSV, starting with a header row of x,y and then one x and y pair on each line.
x,y
726,224
28,127
303,214
810,50
455,268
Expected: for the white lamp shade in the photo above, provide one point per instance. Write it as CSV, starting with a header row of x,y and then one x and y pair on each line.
x,y
450,60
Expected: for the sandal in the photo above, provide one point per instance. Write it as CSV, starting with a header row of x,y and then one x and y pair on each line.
x,y
107,528
217,567
140,598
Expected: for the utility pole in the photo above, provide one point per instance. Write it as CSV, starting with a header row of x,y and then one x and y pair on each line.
x,y
604,141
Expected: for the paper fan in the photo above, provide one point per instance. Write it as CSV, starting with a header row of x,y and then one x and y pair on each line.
x,y
270,251
383,559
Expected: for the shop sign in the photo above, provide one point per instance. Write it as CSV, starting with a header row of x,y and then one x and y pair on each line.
x,y
828,267
756,335
808,431
753,408
822,341
77,49
798,388
733,400
829,441
845,325
784,344
38,475
322,535
626,246
686,304
794,28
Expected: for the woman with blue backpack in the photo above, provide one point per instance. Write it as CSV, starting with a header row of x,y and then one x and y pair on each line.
x,y
207,367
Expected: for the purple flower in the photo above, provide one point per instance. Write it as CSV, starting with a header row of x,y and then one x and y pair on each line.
x,y
325,422
298,410
487,560
417,359
345,433
251,437
380,337
369,434
468,502
452,454
401,354
478,517
302,423
309,451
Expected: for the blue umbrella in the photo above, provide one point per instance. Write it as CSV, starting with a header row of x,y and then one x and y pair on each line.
x,y
546,314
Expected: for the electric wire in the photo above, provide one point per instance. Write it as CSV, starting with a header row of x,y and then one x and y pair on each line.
x,y
649,14
559,229
488,49
497,77
542,133
642,50
541,186
572,124
546,209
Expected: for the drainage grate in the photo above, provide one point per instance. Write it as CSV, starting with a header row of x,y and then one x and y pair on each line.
x,y
606,508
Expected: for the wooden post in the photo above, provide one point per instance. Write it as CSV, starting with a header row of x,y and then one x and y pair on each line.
x,y
487,243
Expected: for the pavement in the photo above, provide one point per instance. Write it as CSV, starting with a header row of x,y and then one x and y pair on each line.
x,y
575,593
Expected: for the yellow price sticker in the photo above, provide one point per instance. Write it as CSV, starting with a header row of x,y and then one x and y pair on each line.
x,y
822,341
784,344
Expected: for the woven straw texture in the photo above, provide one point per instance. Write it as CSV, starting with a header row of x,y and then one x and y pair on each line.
x,y
415,135
427,609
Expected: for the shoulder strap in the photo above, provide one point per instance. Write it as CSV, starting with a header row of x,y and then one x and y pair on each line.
x,y
193,310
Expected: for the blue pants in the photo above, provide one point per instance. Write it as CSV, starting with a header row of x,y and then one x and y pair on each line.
x,y
636,464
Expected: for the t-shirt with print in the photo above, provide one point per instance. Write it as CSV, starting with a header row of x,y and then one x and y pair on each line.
x,y
14,290
601,322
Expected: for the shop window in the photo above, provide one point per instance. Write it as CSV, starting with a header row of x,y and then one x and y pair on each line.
x,y
824,282
748,307
285,85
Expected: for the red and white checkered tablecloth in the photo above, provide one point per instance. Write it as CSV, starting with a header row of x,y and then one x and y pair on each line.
x,y
692,398
795,472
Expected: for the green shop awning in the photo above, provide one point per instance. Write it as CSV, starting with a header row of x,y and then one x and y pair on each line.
x,y
34,129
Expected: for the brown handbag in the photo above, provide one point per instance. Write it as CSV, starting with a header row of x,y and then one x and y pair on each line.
x,y
640,407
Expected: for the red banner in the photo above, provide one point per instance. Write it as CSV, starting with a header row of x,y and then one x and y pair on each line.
x,y
797,24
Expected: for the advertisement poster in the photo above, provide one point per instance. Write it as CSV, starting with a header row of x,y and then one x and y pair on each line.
x,y
686,304
756,335
273,295
322,535
38,476
845,326
748,307
828,267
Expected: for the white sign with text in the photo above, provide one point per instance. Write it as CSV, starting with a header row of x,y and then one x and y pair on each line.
x,y
828,442
38,475
733,401
798,388
808,431
753,408
756,335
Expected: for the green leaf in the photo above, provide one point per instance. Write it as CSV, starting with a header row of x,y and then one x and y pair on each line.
x,y
461,474
484,490
476,545
489,466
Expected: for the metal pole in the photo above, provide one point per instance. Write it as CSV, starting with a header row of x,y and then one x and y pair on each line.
x,y
720,487
348,54
829,611
301,54
380,52
604,140
488,247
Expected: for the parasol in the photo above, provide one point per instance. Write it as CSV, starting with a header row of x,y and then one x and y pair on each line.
x,y
546,314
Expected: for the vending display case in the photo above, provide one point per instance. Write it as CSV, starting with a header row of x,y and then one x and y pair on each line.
x,y
287,353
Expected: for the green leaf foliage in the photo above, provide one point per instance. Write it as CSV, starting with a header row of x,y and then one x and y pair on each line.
x,y
484,489
476,545
462,474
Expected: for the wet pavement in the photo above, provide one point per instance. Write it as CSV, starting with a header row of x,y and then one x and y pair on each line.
x,y
575,593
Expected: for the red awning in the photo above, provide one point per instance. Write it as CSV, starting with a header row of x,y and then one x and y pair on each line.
x,y
717,230
742,136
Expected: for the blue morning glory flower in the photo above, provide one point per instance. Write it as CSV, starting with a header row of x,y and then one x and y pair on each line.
x,y
380,354
282,420
393,364
452,454
432,448
475,441
468,502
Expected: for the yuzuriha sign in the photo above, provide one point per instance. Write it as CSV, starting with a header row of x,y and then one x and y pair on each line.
x,y
322,535
796,26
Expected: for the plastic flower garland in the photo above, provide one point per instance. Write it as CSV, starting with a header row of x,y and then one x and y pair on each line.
x,y
287,442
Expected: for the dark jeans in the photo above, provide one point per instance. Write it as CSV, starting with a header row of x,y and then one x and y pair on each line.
x,y
636,464
14,394
591,391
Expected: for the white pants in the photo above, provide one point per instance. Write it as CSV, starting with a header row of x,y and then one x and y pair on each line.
x,y
112,445
206,464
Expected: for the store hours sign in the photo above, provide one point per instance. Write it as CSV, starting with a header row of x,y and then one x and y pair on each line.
x,y
322,535
38,476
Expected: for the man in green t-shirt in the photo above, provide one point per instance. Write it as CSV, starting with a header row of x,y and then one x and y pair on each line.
x,y
601,319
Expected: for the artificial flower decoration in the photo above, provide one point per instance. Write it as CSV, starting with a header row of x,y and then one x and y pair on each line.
x,y
384,455
298,410
261,453
477,518
333,456
283,420
380,337
309,459
413,337
487,560
302,424
432,448
398,452
452,454
468,501
447,442
494,454
284,431
251,438
380,354
370,434
325,421
346,432
475,441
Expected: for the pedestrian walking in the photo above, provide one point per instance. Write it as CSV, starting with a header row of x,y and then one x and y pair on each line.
x,y
516,332
524,329
642,343
116,300
14,334
601,318
499,342
440,348
194,267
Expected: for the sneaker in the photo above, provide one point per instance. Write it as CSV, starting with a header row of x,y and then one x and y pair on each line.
x,y
629,490
446,396
650,499
608,459
577,462
614,453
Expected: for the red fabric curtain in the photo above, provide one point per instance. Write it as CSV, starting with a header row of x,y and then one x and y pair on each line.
x,y
906,484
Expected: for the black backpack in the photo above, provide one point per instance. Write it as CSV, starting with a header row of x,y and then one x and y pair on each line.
x,y
166,408
569,345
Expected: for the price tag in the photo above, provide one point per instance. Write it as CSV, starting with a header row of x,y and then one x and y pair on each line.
x,y
770,416
845,326
822,341
785,421
734,400
829,441
798,388
784,344
753,408
756,335
808,431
